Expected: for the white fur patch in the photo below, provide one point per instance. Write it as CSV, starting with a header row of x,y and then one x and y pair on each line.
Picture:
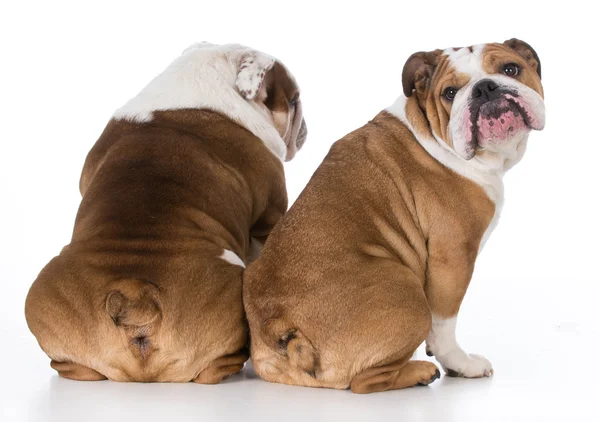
x,y
466,61
204,77
441,341
232,258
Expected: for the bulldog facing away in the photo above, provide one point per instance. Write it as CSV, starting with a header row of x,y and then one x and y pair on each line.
x,y
182,179
377,253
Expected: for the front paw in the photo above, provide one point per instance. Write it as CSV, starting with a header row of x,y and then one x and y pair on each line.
x,y
461,364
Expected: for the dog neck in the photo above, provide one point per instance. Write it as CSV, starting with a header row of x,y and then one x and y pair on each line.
x,y
486,168
192,82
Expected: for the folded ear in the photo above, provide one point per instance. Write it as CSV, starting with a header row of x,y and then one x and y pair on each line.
x,y
266,81
527,52
252,70
417,71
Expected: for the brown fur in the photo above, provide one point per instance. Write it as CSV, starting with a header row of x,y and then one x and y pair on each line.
x,y
381,233
519,52
141,294
431,74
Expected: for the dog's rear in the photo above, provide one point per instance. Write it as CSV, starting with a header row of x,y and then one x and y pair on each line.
x,y
94,326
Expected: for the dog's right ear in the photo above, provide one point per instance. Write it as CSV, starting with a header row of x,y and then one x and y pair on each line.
x,y
263,79
527,52
418,70
251,73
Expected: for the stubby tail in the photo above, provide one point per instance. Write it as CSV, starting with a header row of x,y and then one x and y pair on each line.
x,y
133,303
291,342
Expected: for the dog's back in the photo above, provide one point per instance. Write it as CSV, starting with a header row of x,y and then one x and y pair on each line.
x,y
155,219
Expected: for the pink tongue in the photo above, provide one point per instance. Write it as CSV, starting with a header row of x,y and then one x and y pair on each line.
x,y
499,120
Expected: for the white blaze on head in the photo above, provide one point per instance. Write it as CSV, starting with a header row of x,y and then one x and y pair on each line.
x,y
467,60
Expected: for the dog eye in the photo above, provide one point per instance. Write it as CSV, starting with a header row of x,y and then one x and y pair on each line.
x,y
295,99
450,93
511,69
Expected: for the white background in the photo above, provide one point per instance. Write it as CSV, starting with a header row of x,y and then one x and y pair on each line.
x,y
532,308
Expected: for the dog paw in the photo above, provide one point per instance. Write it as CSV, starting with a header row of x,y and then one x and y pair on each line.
x,y
461,364
76,371
430,376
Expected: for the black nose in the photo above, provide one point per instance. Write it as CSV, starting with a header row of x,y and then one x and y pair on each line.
x,y
485,88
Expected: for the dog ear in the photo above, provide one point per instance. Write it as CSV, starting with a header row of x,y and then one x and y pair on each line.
x,y
417,71
527,52
265,80
252,70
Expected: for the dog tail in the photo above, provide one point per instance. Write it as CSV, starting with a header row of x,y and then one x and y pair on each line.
x,y
134,303
290,342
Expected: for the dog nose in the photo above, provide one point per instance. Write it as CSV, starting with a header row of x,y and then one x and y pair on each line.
x,y
485,87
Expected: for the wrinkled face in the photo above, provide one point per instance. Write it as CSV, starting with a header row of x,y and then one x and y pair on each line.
x,y
482,98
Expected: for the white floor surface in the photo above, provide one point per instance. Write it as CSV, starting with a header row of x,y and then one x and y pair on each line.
x,y
544,372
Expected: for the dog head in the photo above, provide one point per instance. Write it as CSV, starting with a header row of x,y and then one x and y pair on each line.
x,y
250,87
266,84
482,98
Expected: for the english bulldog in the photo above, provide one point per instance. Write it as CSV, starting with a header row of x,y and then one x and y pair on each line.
x,y
377,253
183,178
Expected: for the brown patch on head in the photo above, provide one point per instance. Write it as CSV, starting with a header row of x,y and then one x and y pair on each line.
x,y
428,74
527,52
277,90
495,56
439,108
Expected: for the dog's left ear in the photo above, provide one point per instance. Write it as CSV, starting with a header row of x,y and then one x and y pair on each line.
x,y
527,52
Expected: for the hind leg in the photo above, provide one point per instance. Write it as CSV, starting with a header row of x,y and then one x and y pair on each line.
x,y
396,375
62,319
76,371
368,332
221,368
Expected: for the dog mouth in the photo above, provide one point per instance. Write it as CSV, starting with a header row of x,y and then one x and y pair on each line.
x,y
498,120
